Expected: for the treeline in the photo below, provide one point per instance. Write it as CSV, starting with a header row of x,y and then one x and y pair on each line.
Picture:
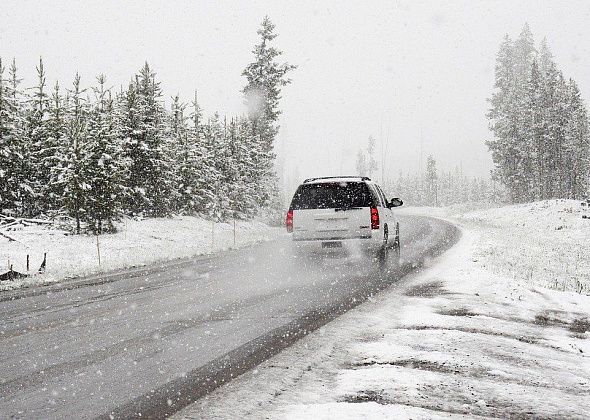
x,y
447,188
95,154
541,145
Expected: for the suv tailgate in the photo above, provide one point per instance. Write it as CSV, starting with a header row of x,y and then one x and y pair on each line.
x,y
332,211
331,224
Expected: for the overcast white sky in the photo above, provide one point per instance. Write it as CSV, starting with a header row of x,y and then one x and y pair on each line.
x,y
401,71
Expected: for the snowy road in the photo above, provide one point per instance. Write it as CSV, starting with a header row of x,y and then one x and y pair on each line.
x,y
151,343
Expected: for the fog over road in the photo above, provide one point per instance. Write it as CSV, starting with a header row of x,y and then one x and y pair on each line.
x,y
151,341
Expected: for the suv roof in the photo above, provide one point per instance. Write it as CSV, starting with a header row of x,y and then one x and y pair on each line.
x,y
336,179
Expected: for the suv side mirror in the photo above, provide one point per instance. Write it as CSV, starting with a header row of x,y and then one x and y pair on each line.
x,y
395,202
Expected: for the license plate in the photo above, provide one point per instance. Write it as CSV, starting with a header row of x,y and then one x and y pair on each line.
x,y
331,244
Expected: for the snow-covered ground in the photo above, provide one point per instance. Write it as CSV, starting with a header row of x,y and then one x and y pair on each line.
x,y
137,243
464,338
546,243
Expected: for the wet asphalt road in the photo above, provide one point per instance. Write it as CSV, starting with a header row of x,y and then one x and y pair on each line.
x,y
148,342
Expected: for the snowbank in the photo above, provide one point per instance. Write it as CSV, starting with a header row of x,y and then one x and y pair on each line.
x,y
137,243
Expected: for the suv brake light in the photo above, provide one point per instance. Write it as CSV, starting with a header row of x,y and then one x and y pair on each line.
x,y
374,218
289,221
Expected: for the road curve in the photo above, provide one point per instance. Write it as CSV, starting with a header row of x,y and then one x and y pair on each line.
x,y
149,342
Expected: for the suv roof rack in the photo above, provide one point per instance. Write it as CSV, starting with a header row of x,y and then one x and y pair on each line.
x,y
362,178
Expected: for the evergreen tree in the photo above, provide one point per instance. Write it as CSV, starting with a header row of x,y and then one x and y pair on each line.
x,y
576,146
15,188
245,195
104,165
55,144
361,163
366,163
214,138
431,181
534,114
554,101
205,173
151,171
524,56
503,120
4,114
265,79
371,160
71,169
6,154
38,151
184,156
545,57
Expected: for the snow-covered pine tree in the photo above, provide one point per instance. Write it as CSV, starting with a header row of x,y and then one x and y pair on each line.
x,y
178,133
56,145
245,198
431,182
484,191
475,192
371,160
104,166
7,197
540,101
238,173
535,115
127,121
16,190
545,59
71,165
4,130
366,163
524,56
361,163
502,119
151,174
511,148
576,146
37,172
554,98
231,170
205,175
265,79
217,209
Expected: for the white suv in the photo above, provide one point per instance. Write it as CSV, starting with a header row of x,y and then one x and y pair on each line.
x,y
329,212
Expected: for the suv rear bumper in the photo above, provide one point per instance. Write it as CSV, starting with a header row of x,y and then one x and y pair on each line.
x,y
340,247
332,239
366,242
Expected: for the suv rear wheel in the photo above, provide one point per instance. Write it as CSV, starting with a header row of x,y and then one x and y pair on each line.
x,y
396,246
383,252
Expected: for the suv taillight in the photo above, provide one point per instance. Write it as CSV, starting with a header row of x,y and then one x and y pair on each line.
x,y
289,221
374,218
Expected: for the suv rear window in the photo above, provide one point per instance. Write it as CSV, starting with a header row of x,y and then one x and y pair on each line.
x,y
332,195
